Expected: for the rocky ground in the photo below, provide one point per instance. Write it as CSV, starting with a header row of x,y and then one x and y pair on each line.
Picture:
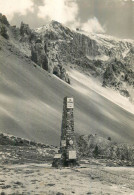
x,y
90,178
26,168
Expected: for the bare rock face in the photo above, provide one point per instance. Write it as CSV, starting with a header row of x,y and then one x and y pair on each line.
x,y
3,31
119,75
25,29
3,19
54,47
27,35
60,71
25,32
96,54
39,55
3,26
43,52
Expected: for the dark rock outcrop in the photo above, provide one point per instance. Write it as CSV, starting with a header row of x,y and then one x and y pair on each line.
x,y
3,19
25,29
61,73
38,55
3,26
3,31
27,35
43,53
119,75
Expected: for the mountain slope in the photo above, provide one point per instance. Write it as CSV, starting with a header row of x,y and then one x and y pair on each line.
x,y
54,46
31,103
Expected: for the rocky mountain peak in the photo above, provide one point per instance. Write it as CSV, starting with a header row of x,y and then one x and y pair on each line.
x,y
54,46
99,54
24,29
55,24
54,31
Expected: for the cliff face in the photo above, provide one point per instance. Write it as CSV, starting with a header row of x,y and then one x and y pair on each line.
x,y
3,26
100,55
119,75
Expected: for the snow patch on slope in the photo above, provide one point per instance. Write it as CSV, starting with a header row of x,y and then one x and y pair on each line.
x,y
83,83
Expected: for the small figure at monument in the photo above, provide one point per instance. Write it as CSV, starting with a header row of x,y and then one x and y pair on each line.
x,y
68,153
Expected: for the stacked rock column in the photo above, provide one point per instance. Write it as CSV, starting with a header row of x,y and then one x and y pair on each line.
x,y
68,142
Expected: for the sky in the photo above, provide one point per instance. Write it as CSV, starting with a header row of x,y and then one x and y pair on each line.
x,y
113,17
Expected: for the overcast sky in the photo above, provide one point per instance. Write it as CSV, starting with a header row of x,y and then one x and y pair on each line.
x,y
114,17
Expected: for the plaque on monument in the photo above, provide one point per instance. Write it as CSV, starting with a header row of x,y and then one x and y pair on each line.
x,y
57,156
72,155
71,100
70,103
63,143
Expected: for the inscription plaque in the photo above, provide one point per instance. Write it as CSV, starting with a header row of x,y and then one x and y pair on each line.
x,y
72,155
63,143
57,156
70,103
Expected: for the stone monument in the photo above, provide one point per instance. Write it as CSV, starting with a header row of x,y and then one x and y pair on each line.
x,y
67,155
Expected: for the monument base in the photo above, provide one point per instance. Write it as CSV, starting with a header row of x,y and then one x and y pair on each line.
x,y
67,156
71,163
58,163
